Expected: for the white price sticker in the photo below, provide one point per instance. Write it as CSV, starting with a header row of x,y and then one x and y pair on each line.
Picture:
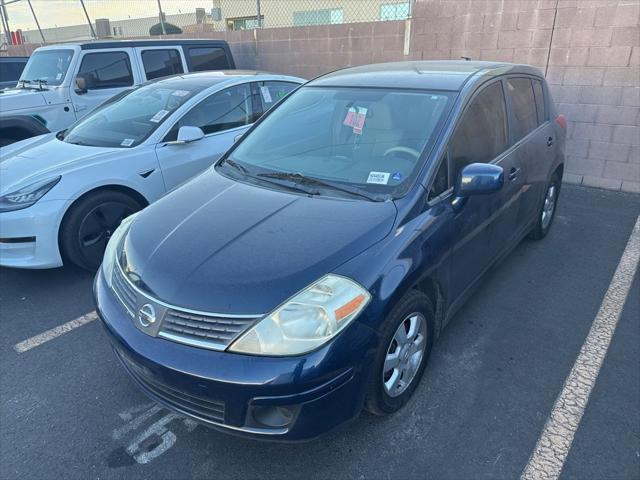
x,y
159,116
381,178
127,142
266,94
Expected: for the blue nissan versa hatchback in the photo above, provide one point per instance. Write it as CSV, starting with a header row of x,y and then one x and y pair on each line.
x,y
307,274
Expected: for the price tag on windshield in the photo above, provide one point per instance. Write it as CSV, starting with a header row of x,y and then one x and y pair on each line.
x,y
159,116
356,116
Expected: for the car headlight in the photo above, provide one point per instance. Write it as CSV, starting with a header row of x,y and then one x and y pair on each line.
x,y
309,319
109,259
26,196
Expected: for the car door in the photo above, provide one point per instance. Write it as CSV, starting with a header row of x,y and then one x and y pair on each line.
x,y
479,137
106,73
529,145
222,116
161,61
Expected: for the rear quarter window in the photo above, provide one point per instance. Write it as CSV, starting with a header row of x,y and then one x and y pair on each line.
x,y
538,92
207,58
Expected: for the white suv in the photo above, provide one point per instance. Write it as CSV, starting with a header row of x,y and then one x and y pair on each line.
x,y
62,83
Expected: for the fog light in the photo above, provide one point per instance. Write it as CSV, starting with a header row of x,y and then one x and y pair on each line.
x,y
273,416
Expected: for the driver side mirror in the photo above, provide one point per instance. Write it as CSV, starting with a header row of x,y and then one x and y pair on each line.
x,y
477,179
188,134
81,85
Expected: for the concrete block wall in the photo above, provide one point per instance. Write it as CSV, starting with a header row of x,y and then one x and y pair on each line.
x,y
589,49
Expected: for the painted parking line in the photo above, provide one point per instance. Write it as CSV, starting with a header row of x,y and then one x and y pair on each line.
x,y
44,337
554,444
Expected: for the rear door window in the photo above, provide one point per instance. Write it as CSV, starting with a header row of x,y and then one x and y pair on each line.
x,y
207,58
538,92
524,116
481,134
161,63
106,70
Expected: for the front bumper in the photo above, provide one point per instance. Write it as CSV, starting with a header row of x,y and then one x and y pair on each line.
x,y
29,237
225,390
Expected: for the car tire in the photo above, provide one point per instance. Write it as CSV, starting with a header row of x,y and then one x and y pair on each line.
x,y
547,211
382,398
88,225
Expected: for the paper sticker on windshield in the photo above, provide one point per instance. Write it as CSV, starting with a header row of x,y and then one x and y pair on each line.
x,y
381,178
181,93
58,76
159,116
127,142
266,94
355,118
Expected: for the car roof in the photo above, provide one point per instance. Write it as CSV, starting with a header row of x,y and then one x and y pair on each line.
x,y
97,44
431,75
202,80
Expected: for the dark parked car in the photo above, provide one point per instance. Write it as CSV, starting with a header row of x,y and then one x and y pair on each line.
x,y
10,70
308,273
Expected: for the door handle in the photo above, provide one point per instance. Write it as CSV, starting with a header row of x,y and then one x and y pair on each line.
x,y
513,173
549,141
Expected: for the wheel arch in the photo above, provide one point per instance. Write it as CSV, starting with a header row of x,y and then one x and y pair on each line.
x,y
425,284
136,195
24,126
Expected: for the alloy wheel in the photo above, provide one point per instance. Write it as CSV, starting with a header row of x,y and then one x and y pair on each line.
x,y
549,206
405,354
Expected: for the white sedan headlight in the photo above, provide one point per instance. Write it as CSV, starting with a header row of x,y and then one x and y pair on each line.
x,y
109,259
26,196
311,318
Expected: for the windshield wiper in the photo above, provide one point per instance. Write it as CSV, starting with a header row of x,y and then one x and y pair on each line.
x,y
300,178
244,171
39,81
236,165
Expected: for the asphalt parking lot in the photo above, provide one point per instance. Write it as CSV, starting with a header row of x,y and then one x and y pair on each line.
x,y
68,410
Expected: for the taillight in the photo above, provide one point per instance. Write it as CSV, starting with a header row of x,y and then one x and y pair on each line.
x,y
562,121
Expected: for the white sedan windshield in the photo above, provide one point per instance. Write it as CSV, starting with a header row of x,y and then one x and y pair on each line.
x,y
128,120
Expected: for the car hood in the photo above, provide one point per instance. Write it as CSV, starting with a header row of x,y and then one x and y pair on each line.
x,y
21,98
39,158
222,246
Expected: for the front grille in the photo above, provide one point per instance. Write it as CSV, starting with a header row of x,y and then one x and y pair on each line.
x,y
198,329
204,408
202,330
124,291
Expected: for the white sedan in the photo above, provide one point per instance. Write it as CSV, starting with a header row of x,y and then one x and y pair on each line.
x,y
62,194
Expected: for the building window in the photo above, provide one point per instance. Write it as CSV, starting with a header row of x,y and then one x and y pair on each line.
x,y
117,31
318,17
244,23
395,11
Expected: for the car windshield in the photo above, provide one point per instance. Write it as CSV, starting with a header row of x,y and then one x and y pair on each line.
x,y
370,139
47,66
128,120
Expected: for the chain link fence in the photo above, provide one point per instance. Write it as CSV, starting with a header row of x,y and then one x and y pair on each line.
x,y
51,21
